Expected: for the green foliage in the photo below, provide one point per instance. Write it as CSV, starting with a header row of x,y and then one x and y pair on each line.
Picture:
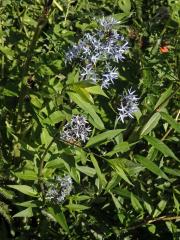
x,y
125,177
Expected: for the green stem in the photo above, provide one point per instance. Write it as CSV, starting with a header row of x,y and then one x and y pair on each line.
x,y
150,221
2,59
23,91
42,159
41,166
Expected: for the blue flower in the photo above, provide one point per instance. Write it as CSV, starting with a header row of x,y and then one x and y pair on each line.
x,y
59,189
108,23
77,130
109,75
99,50
88,73
129,105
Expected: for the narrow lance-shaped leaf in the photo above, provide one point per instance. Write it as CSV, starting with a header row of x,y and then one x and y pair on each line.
x,y
25,189
164,97
24,213
88,108
76,207
160,207
59,218
118,167
98,171
121,147
96,90
151,124
108,135
151,166
135,203
171,121
162,147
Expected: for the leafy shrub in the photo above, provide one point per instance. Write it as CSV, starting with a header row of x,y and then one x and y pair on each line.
x,y
89,113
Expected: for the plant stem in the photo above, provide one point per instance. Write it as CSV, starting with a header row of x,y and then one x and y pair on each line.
x,y
23,90
2,59
150,221
42,158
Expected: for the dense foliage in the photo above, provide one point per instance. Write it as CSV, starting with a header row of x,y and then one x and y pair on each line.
x,y
89,112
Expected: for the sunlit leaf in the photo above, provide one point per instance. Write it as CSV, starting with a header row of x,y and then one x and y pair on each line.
x,y
25,213
106,136
25,189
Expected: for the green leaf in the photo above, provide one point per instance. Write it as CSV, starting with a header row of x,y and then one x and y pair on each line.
x,y
152,228
151,166
84,94
135,203
117,166
80,198
88,108
6,193
171,121
59,218
72,77
54,118
97,90
45,137
116,202
76,207
123,192
176,203
98,171
75,174
25,189
26,175
159,145
99,139
148,206
87,170
27,204
121,147
57,163
62,221
36,101
174,171
25,213
113,182
151,124
8,52
125,5
160,207
163,99
8,92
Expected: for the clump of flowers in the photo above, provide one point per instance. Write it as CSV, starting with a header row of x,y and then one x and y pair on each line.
x,y
59,190
77,130
98,51
129,105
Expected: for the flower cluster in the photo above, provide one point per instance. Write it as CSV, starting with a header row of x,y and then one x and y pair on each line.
x,y
76,130
129,105
105,76
98,51
59,190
